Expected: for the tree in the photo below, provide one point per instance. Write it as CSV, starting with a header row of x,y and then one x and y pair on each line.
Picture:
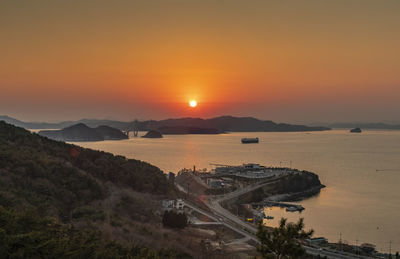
x,y
284,241
174,219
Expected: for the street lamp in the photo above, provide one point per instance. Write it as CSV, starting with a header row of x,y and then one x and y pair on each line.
x,y
188,184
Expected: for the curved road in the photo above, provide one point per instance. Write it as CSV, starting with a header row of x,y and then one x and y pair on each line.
x,y
248,231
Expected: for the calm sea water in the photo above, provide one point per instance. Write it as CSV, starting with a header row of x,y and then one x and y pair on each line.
x,y
361,203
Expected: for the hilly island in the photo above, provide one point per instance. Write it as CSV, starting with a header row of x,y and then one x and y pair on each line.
x,y
81,132
62,200
179,126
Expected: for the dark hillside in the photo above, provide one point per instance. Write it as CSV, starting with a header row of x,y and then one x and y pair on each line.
x,y
181,125
58,199
110,133
25,154
81,132
228,123
55,177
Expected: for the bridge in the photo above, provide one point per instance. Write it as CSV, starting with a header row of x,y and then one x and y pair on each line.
x,y
133,128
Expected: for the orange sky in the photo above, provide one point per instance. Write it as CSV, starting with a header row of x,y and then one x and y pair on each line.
x,y
294,61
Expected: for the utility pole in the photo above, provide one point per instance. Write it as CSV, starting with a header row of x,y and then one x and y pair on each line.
x,y
357,247
390,248
340,242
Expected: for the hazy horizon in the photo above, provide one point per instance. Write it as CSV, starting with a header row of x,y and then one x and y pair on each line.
x,y
312,123
286,61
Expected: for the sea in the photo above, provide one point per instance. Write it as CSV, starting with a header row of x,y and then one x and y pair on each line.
x,y
361,171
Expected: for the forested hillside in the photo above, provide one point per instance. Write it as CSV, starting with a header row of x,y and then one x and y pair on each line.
x,y
62,200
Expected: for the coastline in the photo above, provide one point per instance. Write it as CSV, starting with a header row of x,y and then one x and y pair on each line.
x,y
317,152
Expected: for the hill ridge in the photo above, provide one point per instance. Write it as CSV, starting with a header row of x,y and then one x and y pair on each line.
x,y
224,123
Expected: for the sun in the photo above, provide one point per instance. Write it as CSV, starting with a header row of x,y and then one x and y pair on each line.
x,y
193,103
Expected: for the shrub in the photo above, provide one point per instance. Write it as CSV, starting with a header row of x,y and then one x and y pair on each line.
x,y
87,212
174,219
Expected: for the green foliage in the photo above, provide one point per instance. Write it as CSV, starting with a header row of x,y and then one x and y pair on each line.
x,y
115,221
282,242
174,219
88,212
27,235
298,182
45,183
51,175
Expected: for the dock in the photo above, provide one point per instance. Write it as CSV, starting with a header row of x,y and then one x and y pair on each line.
x,y
289,206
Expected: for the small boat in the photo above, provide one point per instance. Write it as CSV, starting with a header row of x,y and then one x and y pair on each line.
x,y
249,140
291,209
294,208
265,216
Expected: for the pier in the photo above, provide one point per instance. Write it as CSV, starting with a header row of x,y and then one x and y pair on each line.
x,y
289,206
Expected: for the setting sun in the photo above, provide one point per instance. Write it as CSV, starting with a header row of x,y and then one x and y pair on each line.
x,y
193,103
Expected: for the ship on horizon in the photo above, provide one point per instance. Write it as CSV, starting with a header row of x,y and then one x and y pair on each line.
x,y
249,140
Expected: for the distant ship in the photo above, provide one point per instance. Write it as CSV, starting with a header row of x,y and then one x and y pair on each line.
x,y
249,140
356,130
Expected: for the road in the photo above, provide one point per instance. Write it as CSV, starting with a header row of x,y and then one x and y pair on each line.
x,y
248,231
215,205
245,234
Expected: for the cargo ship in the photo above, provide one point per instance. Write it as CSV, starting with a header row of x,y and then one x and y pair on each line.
x,y
356,130
249,140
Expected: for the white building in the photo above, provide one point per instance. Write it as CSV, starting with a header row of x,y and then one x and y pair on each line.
x,y
179,204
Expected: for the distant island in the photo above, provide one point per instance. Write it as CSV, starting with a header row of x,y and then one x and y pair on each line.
x,y
215,125
81,132
187,130
153,134
362,125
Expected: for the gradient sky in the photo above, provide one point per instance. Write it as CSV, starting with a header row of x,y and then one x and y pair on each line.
x,y
289,61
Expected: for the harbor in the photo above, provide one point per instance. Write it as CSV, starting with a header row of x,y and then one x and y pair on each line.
x,y
289,207
227,209
254,187
330,212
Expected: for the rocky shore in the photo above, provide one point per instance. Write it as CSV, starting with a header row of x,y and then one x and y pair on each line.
x,y
295,196
293,187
